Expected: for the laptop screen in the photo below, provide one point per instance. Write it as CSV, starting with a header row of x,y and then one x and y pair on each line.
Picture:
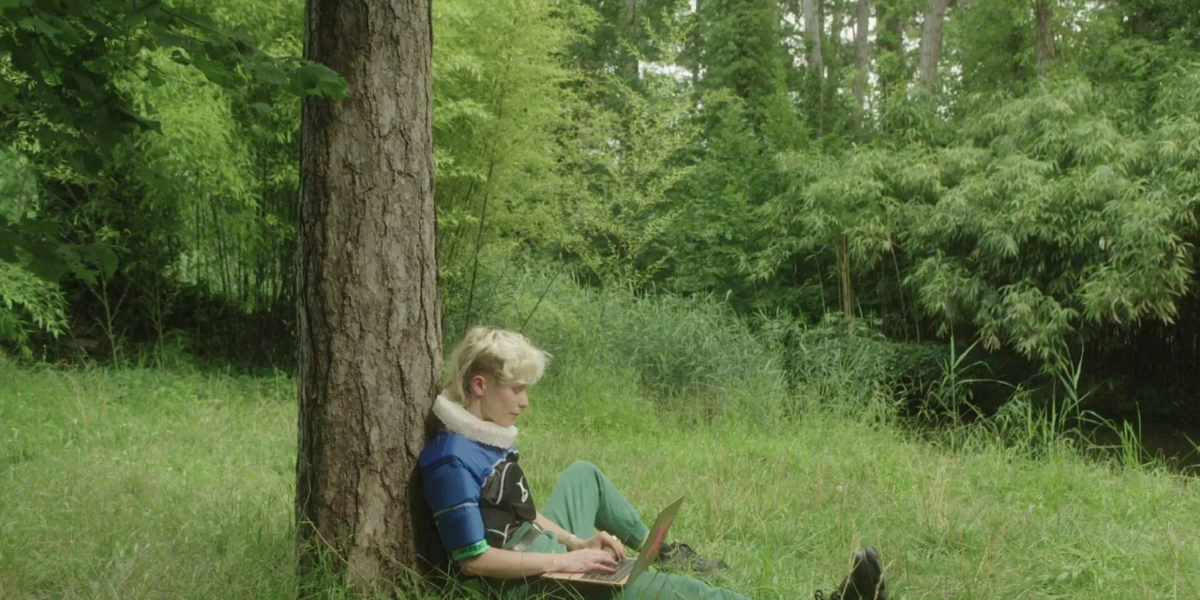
x,y
658,535
658,532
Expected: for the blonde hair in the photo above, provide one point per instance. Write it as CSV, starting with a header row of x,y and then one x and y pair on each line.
x,y
507,356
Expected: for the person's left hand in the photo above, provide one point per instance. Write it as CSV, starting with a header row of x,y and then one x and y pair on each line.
x,y
604,541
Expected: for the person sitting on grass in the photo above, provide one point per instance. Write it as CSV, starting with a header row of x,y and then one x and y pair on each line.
x,y
486,515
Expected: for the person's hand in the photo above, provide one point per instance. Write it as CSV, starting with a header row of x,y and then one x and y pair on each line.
x,y
605,541
587,560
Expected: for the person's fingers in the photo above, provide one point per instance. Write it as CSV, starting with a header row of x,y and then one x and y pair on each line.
x,y
605,563
612,544
591,560
620,549
617,551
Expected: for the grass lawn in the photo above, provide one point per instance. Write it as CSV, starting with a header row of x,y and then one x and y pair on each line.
x,y
179,484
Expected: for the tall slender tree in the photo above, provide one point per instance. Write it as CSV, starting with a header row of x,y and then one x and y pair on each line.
x,y
629,32
862,55
931,41
369,330
891,64
1044,15
812,34
816,60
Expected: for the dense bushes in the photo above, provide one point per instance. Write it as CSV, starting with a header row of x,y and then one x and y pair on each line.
x,y
693,349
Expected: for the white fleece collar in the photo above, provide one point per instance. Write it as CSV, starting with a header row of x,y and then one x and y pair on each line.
x,y
460,421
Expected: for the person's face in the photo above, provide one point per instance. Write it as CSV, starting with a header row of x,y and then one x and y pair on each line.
x,y
498,403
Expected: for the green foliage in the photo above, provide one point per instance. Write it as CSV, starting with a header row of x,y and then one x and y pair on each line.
x,y
743,53
620,189
501,97
66,54
1063,222
850,362
692,348
33,242
28,303
994,43
154,155
181,485
614,45
717,221
838,202
63,102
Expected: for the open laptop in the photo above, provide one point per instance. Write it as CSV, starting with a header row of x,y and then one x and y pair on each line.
x,y
629,568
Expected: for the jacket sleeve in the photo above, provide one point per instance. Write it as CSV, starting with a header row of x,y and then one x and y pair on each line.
x,y
453,495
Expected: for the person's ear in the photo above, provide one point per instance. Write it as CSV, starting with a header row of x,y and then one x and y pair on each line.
x,y
478,385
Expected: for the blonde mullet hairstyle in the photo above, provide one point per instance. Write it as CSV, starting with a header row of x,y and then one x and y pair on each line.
x,y
506,356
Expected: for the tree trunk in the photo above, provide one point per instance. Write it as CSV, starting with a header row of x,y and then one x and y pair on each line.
x,y
697,44
369,348
889,47
630,31
931,41
842,253
812,33
1045,36
862,56
834,47
816,66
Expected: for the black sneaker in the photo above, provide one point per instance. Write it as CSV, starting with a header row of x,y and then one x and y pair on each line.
x,y
866,580
683,556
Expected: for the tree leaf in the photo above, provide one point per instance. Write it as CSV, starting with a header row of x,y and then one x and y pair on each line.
x,y
268,73
319,80
101,255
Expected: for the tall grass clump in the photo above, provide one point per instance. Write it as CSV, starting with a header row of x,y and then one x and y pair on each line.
x,y
691,352
849,365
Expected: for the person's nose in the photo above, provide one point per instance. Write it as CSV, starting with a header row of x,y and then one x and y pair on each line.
x,y
523,402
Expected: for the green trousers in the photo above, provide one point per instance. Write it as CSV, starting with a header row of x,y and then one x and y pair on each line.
x,y
583,501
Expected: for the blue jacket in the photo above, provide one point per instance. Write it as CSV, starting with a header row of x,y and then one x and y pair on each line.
x,y
478,493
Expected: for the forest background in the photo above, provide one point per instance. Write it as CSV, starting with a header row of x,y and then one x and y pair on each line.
x,y
1018,176
975,211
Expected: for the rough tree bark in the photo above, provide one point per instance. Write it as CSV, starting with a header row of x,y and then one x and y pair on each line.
x,y
1046,52
931,41
369,348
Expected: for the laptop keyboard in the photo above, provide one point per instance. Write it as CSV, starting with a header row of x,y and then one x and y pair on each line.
x,y
623,569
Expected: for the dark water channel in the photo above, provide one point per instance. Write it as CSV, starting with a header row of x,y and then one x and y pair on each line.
x,y
1174,443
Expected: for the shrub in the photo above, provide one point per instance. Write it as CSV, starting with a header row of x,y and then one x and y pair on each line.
x,y
680,348
850,361
28,304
